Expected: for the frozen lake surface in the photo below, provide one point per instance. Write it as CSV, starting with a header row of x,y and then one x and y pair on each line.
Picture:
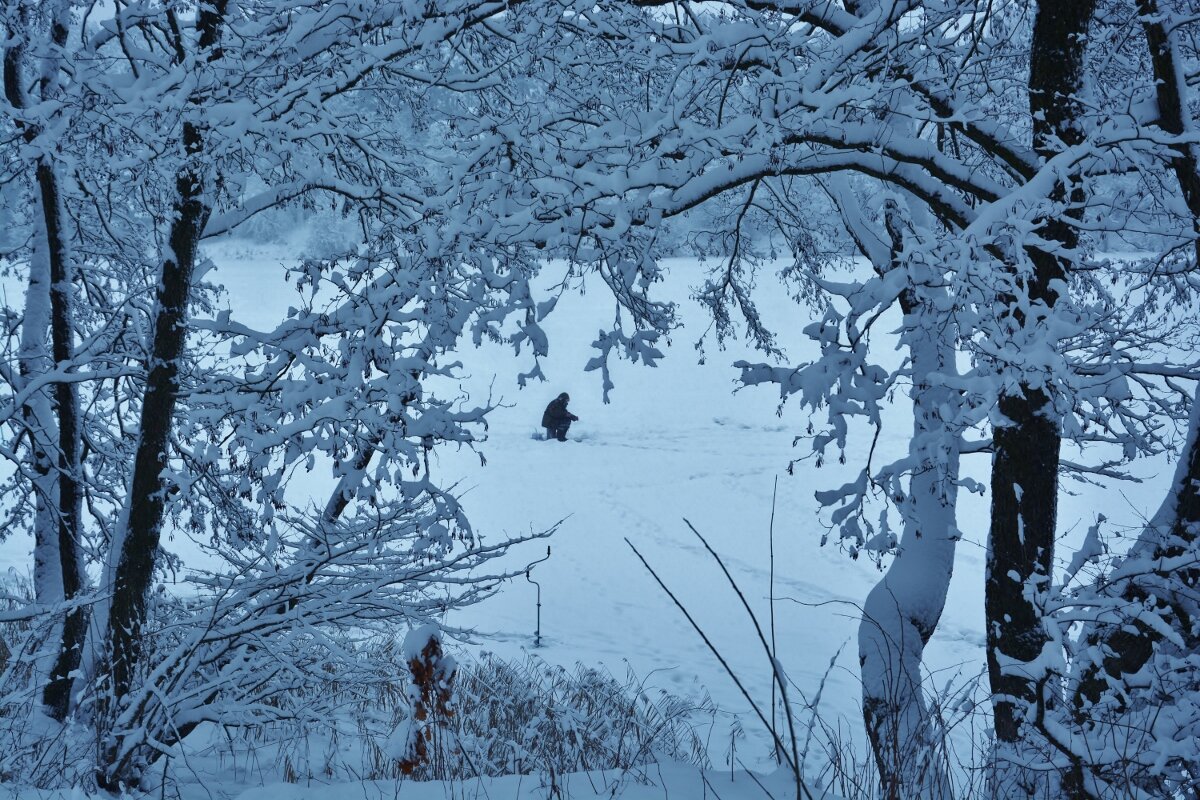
x,y
675,442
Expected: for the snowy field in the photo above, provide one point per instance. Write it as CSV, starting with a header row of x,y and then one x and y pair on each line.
x,y
667,781
676,442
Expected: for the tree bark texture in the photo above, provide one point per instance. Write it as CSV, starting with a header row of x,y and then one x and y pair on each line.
x,y
56,697
147,498
1024,481
65,507
146,506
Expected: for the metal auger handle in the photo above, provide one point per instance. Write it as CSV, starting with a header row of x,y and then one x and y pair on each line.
x,y
537,635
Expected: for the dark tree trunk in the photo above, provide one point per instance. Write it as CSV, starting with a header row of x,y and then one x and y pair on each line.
x,y
56,695
1024,483
148,487
147,499
1024,508
1173,116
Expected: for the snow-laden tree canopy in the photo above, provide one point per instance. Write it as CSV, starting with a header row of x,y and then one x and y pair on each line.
x,y
988,161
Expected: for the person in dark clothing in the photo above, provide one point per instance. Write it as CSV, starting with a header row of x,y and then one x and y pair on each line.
x,y
556,419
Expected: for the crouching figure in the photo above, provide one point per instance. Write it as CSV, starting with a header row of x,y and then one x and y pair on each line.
x,y
556,419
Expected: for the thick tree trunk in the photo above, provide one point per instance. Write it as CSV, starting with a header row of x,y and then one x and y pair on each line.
x,y
1024,483
32,360
1020,553
902,611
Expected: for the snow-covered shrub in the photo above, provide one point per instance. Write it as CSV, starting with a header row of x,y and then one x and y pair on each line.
x,y
503,718
1124,716
430,700
273,652
277,641
523,717
26,751
509,717
16,592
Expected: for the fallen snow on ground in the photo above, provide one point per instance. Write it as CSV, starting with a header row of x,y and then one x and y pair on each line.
x,y
662,781
676,442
